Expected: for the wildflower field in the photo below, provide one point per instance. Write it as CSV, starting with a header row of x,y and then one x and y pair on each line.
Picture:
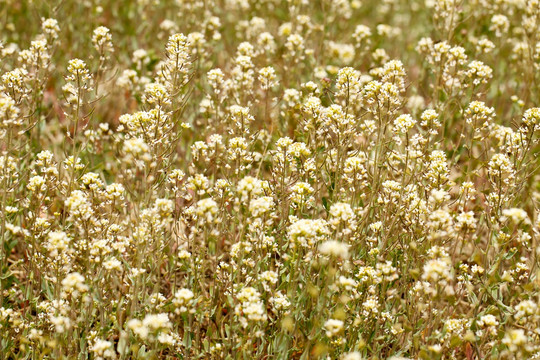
x,y
269,179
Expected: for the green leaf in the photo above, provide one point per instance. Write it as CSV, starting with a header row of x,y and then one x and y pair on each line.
x,y
325,203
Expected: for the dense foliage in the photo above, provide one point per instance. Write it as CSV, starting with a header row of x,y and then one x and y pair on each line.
x,y
269,179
